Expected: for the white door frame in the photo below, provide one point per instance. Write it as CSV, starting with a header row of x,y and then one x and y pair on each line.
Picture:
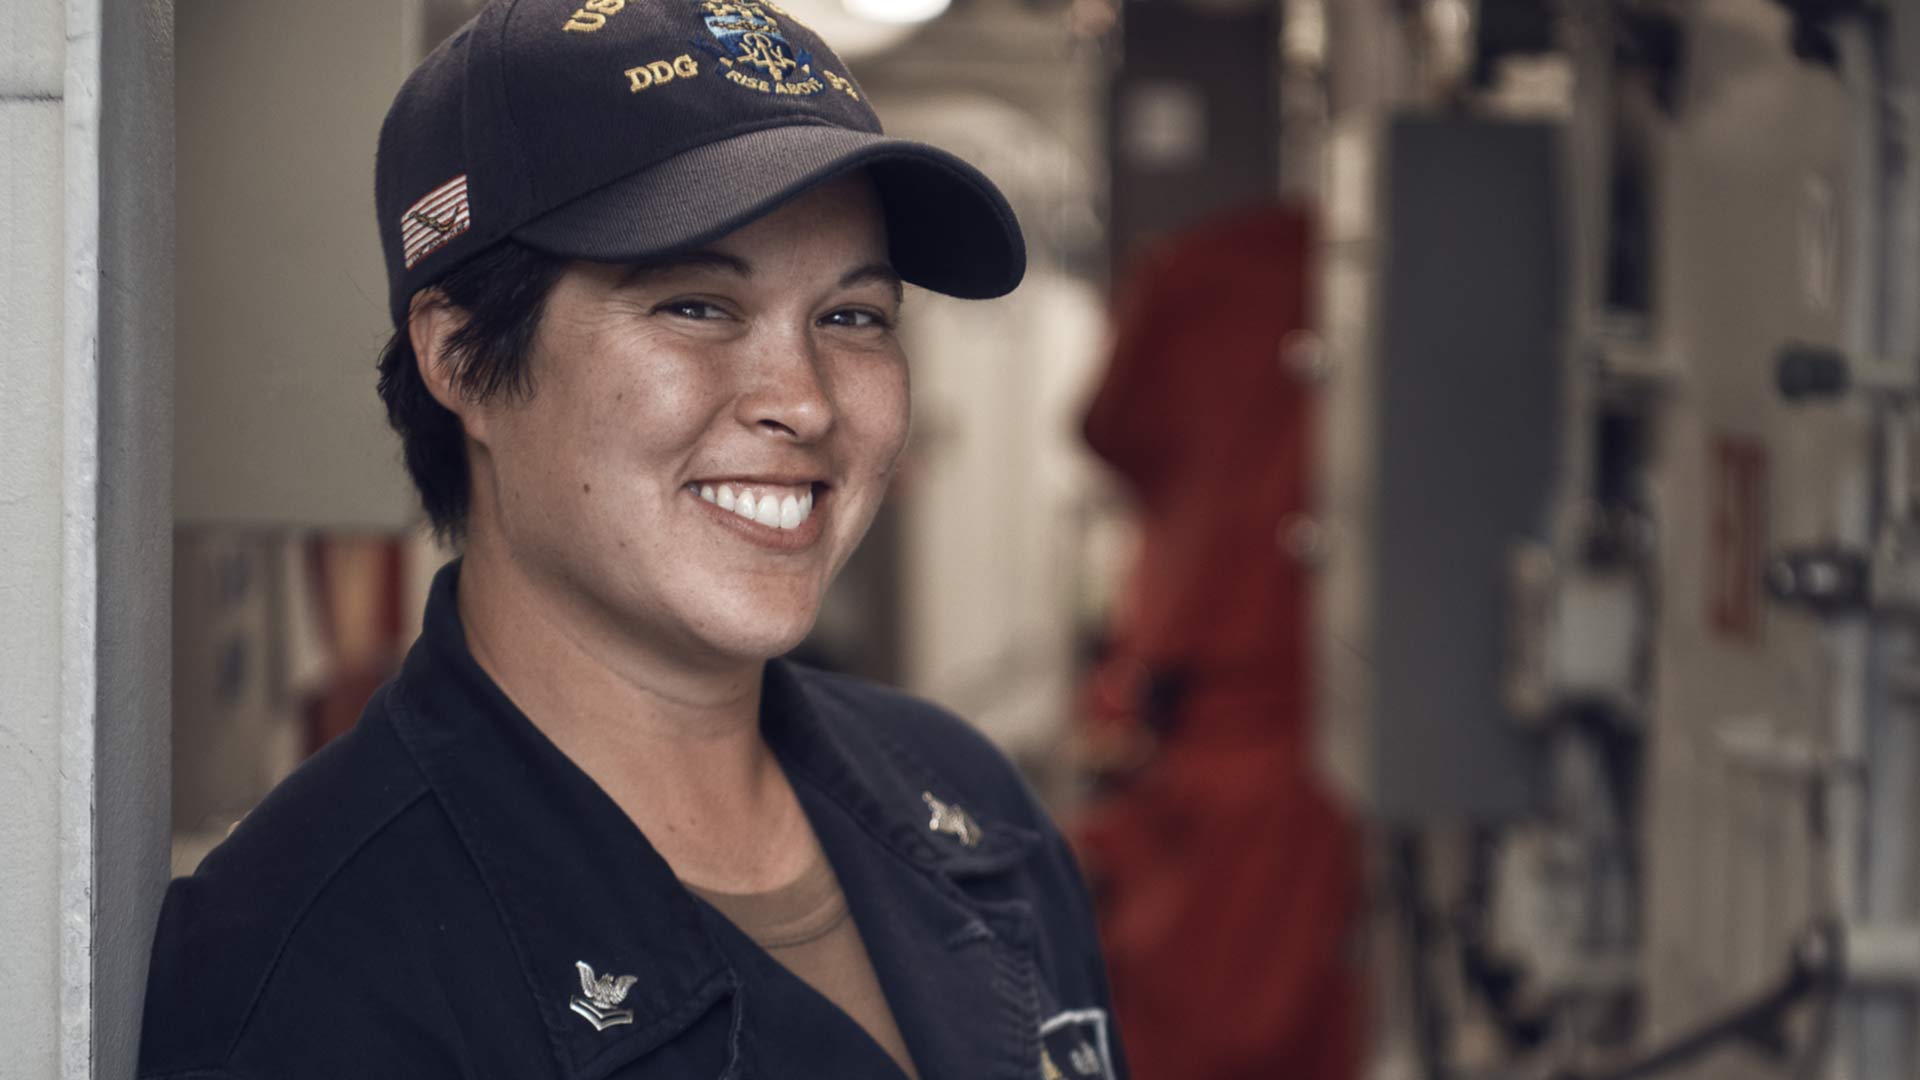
x,y
86,325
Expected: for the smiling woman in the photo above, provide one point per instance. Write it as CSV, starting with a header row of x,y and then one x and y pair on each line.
x,y
766,363
653,386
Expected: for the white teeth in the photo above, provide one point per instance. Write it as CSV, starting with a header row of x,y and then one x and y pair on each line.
x,y
773,508
768,511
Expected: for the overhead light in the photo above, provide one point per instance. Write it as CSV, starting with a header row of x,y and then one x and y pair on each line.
x,y
853,38
898,12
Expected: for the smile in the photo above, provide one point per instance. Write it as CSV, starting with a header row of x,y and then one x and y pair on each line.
x,y
777,506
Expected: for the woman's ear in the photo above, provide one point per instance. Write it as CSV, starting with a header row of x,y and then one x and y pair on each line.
x,y
431,323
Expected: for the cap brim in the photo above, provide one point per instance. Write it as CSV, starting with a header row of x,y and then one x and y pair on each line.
x,y
949,228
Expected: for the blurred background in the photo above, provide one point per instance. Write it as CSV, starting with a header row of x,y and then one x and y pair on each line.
x,y
1435,523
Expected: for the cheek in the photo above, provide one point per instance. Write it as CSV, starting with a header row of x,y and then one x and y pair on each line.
x,y
628,409
877,405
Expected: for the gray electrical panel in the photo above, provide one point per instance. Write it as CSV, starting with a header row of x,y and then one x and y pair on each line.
x,y
1440,445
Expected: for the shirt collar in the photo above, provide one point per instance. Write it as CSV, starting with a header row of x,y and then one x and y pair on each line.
x,y
576,882
847,753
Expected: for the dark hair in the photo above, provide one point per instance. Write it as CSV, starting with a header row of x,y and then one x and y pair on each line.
x,y
502,292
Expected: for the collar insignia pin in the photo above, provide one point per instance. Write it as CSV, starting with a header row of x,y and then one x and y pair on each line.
x,y
950,819
603,995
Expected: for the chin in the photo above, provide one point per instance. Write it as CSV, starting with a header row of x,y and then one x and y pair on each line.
x,y
753,628
758,643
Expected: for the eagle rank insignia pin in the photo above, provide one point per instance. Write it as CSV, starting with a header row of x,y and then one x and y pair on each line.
x,y
950,819
603,996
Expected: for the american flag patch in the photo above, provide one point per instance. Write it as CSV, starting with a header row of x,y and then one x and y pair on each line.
x,y
437,218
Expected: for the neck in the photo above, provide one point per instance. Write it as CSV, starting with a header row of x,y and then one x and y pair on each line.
x,y
678,748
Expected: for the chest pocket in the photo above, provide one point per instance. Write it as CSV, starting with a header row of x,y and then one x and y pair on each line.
x,y
1073,1046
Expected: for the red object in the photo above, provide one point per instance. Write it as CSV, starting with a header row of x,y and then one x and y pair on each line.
x,y
1227,877
1738,536
358,583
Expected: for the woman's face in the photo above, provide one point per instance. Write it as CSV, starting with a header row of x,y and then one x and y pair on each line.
x,y
760,376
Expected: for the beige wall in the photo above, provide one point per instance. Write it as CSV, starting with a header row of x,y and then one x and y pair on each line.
x,y
282,289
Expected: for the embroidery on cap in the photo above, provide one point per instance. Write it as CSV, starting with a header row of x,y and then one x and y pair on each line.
x,y
752,52
439,216
950,819
592,15
603,993
1079,1038
843,85
661,72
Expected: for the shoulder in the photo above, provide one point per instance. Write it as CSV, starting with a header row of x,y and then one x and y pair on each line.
x,y
233,931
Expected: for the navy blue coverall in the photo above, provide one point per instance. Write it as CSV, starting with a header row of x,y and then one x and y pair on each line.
x,y
415,901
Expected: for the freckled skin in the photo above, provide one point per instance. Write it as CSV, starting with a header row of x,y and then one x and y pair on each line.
x,y
644,384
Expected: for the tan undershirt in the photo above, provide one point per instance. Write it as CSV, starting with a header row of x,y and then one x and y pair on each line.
x,y
807,927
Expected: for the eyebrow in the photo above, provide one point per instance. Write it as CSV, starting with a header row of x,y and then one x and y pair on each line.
x,y
884,273
702,259
707,259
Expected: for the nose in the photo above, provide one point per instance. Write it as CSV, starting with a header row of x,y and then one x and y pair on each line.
x,y
786,394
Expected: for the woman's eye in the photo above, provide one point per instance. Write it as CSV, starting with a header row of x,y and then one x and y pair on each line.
x,y
693,309
857,317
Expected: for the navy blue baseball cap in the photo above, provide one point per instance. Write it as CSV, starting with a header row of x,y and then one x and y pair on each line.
x,y
623,130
